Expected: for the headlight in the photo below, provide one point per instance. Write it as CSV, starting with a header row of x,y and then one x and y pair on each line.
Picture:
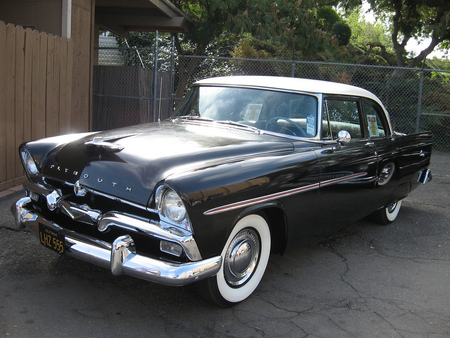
x,y
29,164
171,208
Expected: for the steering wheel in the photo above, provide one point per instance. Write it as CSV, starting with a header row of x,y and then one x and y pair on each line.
x,y
276,118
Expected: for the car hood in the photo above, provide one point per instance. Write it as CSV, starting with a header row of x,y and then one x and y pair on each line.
x,y
128,163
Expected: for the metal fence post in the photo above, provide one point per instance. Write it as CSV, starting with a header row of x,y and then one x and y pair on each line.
x,y
419,103
155,76
172,73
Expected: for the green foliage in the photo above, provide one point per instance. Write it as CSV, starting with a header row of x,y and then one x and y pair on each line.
x,y
327,17
413,19
342,31
364,32
222,45
286,22
252,48
290,25
245,49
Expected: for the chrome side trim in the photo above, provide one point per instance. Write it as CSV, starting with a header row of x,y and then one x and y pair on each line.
x,y
282,194
262,199
342,179
120,256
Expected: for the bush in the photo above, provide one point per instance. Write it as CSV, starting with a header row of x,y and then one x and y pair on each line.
x,y
343,32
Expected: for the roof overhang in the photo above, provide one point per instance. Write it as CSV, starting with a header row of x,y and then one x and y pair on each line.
x,y
122,16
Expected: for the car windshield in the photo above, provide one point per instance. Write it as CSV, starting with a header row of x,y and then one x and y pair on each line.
x,y
275,111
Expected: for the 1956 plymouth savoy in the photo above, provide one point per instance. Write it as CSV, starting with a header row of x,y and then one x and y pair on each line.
x,y
247,166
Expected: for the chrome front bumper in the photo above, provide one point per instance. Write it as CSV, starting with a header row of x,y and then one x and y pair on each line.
x,y
120,256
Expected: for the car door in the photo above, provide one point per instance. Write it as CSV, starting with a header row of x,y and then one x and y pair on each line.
x,y
348,171
380,134
398,157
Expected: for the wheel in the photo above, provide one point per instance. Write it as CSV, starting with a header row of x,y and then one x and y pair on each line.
x,y
276,118
244,261
388,214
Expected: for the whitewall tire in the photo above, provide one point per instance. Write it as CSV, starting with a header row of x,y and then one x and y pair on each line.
x,y
389,213
244,261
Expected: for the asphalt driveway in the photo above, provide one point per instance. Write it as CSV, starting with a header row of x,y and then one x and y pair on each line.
x,y
364,281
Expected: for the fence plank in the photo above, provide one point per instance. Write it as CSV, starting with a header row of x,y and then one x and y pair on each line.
x,y
28,64
19,95
52,116
10,85
35,38
67,113
39,85
81,103
62,81
2,101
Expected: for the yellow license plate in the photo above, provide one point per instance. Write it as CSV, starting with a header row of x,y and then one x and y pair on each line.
x,y
51,239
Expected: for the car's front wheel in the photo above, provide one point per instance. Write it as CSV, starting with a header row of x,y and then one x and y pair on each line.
x,y
244,261
389,213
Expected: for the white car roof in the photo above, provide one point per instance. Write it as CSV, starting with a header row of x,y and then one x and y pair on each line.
x,y
291,83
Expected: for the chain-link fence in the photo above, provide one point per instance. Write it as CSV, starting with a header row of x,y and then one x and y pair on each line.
x,y
143,88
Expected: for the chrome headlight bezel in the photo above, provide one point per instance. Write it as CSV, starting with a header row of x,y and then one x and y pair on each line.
x,y
171,208
30,165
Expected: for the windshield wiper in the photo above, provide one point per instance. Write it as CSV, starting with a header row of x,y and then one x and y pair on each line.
x,y
241,125
195,118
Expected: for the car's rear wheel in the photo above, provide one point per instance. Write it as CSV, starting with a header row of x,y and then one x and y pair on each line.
x,y
389,213
244,261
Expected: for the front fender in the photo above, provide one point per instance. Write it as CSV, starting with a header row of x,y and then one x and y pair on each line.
x,y
259,182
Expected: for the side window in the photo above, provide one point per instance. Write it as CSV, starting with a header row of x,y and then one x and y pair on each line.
x,y
342,115
375,120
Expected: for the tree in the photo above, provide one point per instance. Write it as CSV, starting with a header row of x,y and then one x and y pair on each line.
x,y
413,19
286,22
364,32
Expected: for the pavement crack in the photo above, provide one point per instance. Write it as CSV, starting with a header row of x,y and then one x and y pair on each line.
x,y
13,229
346,270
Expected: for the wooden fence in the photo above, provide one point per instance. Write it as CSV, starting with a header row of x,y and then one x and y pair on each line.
x,y
35,93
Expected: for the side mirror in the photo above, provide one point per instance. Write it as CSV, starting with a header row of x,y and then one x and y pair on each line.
x,y
343,137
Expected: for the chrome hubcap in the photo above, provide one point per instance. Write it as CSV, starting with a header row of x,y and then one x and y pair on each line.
x,y
386,173
241,257
391,207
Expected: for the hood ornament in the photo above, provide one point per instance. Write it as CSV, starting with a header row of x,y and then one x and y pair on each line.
x,y
103,143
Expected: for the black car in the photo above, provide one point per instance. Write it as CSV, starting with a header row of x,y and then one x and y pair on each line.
x,y
247,166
